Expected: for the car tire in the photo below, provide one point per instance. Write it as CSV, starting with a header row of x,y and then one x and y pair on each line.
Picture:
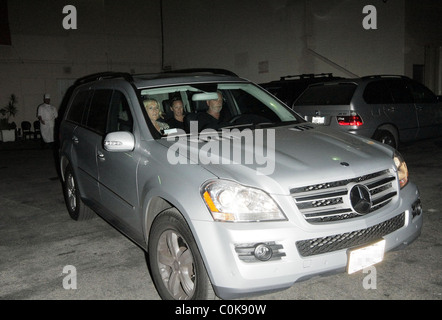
x,y
76,208
175,262
386,137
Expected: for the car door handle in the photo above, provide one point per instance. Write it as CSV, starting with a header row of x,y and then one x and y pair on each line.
x,y
419,108
390,109
100,155
75,140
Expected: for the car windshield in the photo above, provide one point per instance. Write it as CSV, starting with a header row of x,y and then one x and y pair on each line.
x,y
218,106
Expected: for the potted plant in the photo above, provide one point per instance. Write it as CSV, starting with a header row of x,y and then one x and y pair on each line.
x,y
8,128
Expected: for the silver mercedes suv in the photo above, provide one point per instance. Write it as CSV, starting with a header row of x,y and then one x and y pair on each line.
x,y
249,199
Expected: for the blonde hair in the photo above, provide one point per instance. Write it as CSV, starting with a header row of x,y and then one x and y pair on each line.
x,y
145,102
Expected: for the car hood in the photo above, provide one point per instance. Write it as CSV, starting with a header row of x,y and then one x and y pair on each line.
x,y
279,159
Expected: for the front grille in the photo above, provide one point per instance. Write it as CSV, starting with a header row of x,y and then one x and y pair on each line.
x,y
341,241
330,201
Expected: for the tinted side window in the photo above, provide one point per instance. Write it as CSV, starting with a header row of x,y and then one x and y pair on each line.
x,y
78,107
422,94
98,110
399,92
120,117
249,105
377,92
276,90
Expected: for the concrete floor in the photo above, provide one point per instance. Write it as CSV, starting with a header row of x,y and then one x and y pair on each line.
x,y
38,240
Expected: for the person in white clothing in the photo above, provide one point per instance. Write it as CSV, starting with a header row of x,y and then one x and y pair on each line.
x,y
47,114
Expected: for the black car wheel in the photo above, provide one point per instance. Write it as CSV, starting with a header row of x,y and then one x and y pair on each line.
x,y
386,137
76,208
175,262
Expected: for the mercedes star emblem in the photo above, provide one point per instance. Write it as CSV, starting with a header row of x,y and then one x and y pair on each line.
x,y
360,199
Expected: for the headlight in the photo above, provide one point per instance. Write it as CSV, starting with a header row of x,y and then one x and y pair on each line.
x,y
230,201
401,168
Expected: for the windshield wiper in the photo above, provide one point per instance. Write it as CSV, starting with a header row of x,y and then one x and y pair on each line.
x,y
264,125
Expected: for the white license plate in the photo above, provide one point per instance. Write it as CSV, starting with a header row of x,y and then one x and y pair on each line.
x,y
364,257
318,120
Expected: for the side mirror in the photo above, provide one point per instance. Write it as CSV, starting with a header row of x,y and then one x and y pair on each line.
x,y
120,141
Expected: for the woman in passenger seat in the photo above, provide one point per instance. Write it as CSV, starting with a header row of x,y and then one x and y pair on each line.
x,y
177,121
153,111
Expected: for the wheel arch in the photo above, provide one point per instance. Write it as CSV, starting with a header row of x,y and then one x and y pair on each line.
x,y
64,162
155,206
390,128
156,201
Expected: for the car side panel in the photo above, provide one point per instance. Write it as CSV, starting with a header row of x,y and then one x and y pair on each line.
x,y
84,150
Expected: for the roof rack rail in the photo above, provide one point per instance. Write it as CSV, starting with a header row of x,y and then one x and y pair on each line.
x,y
204,70
384,76
307,76
104,75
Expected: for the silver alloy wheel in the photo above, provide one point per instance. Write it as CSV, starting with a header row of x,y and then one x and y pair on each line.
x,y
71,192
176,265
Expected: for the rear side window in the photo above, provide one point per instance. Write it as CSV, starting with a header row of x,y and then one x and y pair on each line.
x,y
78,107
422,94
377,92
399,92
120,117
98,111
336,94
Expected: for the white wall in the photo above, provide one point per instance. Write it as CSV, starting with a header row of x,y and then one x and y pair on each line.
x,y
44,57
236,35
258,39
337,33
293,36
423,40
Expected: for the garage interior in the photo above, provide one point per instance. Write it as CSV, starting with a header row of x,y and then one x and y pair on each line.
x,y
259,40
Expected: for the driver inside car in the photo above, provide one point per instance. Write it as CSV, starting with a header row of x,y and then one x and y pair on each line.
x,y
212,117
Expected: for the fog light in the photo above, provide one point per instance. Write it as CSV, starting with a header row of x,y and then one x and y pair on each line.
x,y
416,208
260,252
263,252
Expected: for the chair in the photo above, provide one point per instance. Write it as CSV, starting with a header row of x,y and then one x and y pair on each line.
x,y
37,132
26,129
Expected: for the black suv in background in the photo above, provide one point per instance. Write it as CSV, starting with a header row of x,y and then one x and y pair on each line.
x,y
387,108
288,88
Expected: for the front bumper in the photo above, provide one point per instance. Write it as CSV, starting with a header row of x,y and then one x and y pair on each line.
x,y
234,276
